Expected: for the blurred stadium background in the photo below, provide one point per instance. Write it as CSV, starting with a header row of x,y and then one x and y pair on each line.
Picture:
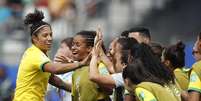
x,y
168,21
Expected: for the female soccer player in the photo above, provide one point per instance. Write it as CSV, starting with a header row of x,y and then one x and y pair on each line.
x,y
36,69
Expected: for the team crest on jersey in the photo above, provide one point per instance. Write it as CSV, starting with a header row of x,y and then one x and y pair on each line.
x,y
193,77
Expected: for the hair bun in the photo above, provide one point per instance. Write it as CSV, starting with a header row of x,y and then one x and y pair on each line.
x,y
180,46
35,17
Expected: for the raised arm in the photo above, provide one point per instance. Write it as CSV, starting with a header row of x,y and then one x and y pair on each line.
x,y
101,53
94,75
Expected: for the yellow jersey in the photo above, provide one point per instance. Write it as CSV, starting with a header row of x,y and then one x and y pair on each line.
x,y
182,77
31,81
195,78
195,83
149,91
144,95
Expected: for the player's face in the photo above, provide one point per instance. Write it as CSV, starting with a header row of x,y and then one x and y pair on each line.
x,y
43,39
80,49
64,50
196,50
111,49
115,54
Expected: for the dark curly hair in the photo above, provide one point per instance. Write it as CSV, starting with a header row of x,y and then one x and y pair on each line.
x,y
175,54
35,20
138,73
157,48
152,69
126,48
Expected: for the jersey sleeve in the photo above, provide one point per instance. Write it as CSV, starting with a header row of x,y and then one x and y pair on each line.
x,y
194,84
39,60
118,79
103,69
144,95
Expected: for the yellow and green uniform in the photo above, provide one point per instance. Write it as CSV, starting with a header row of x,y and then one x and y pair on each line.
x,y
148,91
194,84
182,77
84,89
195,76
31,81
144,95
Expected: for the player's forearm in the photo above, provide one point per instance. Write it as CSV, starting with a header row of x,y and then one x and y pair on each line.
x,y
93,69
57,82
58,68
194,96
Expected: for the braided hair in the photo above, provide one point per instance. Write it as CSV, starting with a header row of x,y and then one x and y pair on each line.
x,y
89,37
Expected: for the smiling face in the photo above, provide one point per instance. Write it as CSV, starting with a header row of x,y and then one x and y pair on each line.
x,y
196,50
79,48
115,54
43,39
